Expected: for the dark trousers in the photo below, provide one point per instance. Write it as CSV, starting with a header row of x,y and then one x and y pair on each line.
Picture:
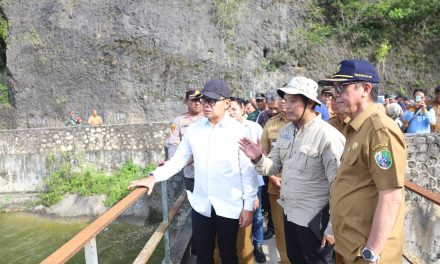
x,y
189,184
205,230
304,247
265,203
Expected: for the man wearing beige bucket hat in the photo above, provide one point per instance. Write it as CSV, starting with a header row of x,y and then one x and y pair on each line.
x,y
307,153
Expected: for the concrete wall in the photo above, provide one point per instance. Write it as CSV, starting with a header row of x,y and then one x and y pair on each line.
x,y
422,221
23,153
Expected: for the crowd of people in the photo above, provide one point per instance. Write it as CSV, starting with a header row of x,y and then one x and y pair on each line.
x,y
416,115
333,166
74,120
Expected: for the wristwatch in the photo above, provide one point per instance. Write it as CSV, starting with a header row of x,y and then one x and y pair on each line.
x,y
369,256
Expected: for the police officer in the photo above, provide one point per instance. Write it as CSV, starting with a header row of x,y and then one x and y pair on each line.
x,y
178,129
307,153
367,198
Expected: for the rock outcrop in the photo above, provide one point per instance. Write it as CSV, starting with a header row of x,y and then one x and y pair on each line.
x,y
132,60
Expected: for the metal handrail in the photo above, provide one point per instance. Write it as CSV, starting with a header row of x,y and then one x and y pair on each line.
x,y
69,249
427,194
154,240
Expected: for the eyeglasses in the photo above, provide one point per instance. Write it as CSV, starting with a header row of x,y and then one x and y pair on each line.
x,y
340,87
210,101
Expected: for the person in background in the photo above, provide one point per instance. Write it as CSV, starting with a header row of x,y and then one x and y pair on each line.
x,y
420,117
395,112
401,101
251,110
225,183
325,108
178,129
251,235
367,205
435,103
261,101
271,192
274,104
393,99
387,99
307,154
340,120
94,119
73,120
407,103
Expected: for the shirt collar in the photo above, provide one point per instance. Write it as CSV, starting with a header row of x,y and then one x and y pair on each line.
x,y
309,125
357,122
225,122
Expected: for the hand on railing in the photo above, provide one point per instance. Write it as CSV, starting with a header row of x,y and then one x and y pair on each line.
x,y
146,182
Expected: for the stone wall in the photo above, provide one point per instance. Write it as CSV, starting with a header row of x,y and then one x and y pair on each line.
x,y
422,221
23,153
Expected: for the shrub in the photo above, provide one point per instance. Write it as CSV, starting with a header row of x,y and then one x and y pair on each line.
x,y
69,174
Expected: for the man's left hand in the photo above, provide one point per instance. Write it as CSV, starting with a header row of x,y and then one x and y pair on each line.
x,y
327,240
256,203
245,218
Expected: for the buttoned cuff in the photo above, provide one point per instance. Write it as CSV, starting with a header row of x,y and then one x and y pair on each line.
x,y
249,205
158,176
257,161
329,229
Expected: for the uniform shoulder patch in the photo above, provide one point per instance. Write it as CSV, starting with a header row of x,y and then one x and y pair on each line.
x,y
379,146
173,127
383,159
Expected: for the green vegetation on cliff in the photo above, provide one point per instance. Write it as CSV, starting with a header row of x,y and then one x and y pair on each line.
x,y
368,22
379,23
4,92
69,174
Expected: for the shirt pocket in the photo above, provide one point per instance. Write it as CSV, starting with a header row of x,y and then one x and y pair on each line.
x,y
351,167
285,148
309,159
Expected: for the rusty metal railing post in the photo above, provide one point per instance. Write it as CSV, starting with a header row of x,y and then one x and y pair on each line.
x,y
165,219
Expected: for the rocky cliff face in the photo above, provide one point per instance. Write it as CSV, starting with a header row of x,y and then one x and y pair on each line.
x,y
132,60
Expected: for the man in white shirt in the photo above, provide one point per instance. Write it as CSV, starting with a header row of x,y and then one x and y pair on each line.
x,y
225,184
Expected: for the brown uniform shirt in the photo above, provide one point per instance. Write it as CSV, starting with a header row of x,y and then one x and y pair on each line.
x,y
436,107
341,126
270,134
177,130
374,159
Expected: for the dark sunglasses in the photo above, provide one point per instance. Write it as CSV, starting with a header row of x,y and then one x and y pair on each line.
x,y
210,101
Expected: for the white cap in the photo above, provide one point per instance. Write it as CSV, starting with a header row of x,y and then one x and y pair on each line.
x,y
301,85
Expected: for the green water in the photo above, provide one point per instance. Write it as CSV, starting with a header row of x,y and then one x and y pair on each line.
x,y
27,238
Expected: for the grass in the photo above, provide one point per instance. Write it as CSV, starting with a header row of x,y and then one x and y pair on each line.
x,y
4,94
68,174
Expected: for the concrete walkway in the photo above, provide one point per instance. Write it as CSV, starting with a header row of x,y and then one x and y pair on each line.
x,y
269,249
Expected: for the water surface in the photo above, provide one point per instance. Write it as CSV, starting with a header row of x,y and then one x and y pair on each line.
x,y
27,238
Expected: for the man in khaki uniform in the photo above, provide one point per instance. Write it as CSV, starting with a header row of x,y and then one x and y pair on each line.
x,y
367,199
178,129
307,154
270,134
340,120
